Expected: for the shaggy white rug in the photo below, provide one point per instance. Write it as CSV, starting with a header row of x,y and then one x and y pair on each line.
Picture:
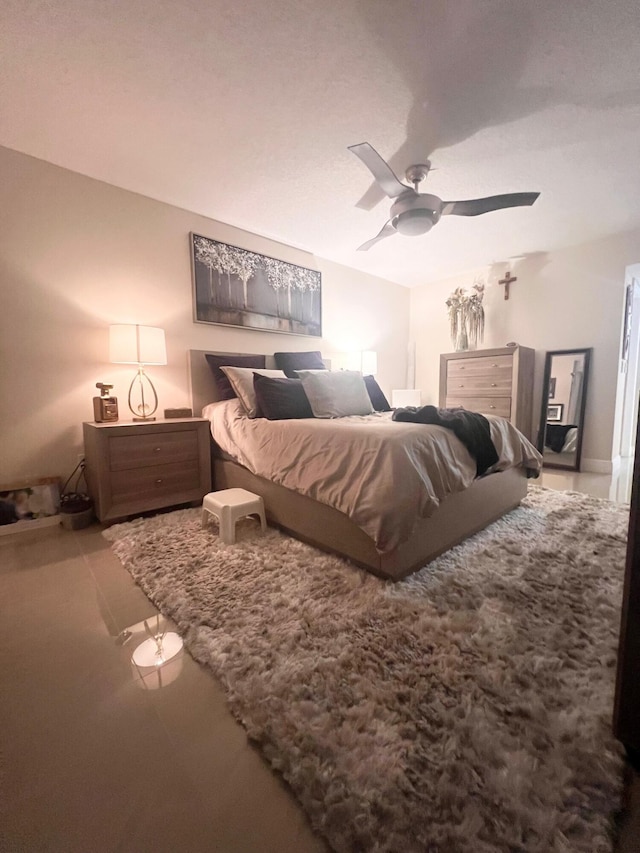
x,y
467,708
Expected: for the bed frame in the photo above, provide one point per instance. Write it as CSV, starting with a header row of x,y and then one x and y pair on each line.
x,y
458,517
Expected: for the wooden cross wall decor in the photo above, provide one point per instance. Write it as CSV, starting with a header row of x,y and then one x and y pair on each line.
x,y
507,280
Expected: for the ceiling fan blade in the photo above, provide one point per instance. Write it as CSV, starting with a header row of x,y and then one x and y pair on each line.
x,y
380,169
476,206
386,231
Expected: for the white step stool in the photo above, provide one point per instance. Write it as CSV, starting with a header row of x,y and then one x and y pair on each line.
x,y
228,505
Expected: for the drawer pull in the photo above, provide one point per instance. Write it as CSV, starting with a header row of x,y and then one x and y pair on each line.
x,y
461,385
493,385
158,481
492,407
157,449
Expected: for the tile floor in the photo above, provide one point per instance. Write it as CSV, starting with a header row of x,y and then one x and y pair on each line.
x,y
95,757
613,487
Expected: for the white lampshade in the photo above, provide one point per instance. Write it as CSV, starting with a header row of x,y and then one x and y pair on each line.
x,y
133,344
156,652
369,362
405,397
365,361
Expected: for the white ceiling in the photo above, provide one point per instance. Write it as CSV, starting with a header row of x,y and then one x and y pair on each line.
x,y
242,110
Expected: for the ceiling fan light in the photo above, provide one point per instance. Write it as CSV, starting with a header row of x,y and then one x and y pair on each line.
x,y
411,223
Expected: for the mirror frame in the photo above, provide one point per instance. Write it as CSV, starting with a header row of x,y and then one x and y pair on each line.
x,y
545,401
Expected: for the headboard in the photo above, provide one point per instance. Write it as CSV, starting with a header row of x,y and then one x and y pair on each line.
x,y
201,382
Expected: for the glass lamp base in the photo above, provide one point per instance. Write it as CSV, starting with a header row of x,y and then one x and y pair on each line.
x,y
142,411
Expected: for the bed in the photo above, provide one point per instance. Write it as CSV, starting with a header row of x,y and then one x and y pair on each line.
x,y
561,445
315,520
561,438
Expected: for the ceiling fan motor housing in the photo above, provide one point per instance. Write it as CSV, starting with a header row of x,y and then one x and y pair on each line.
x,y
415,213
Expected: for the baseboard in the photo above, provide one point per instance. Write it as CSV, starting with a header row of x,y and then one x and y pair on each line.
x,y
596,466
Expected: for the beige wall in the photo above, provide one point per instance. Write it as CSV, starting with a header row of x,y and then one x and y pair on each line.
x,y
77,254
566,299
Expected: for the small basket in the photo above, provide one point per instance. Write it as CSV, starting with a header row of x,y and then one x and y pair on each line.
x,y
74,502
76,508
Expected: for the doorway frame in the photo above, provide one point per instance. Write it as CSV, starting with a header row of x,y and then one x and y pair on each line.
x,y
628,386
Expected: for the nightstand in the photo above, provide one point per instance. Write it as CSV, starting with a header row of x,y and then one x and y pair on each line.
x,y
134,467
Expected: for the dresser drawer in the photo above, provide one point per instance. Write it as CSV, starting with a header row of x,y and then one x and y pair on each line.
x,y
498,366
496,385
500,406
142,485
152,448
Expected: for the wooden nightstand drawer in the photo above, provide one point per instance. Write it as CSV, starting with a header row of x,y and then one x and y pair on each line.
x,y
140,484
500,406
138,467
154,448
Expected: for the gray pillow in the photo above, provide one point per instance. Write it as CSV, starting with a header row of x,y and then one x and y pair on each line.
x,y
336,394
241,380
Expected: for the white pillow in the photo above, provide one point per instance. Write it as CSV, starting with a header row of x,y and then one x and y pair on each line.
x,y
241,380
336,394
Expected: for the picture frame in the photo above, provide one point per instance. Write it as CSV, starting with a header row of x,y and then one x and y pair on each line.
x,y
555,412
552,387
233,286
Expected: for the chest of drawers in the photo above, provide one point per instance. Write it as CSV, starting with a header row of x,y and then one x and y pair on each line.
x,y
137,467
492,382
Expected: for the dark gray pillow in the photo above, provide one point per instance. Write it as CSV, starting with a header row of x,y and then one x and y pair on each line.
x,y
280,399
376,395
292,361
215,362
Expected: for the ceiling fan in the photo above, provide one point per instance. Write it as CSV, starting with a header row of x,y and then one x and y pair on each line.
x,y
413,213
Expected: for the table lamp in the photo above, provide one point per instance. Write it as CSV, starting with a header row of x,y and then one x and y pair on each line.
x,y
161,646
368,362
140,345
402,397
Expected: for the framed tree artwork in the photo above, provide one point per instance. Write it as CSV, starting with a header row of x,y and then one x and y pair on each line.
x,y
236,287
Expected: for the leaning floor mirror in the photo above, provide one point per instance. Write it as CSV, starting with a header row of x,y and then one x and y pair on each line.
x,y
564,396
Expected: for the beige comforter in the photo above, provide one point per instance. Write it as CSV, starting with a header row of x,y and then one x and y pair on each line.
x,y
383,474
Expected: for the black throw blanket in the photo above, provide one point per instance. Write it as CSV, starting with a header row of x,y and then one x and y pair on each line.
x,y
555,436
471,428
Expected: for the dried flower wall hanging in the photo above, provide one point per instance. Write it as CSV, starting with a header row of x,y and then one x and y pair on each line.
x,y
466,316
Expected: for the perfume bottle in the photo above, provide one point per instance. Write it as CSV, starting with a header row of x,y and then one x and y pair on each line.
x,y
105,407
